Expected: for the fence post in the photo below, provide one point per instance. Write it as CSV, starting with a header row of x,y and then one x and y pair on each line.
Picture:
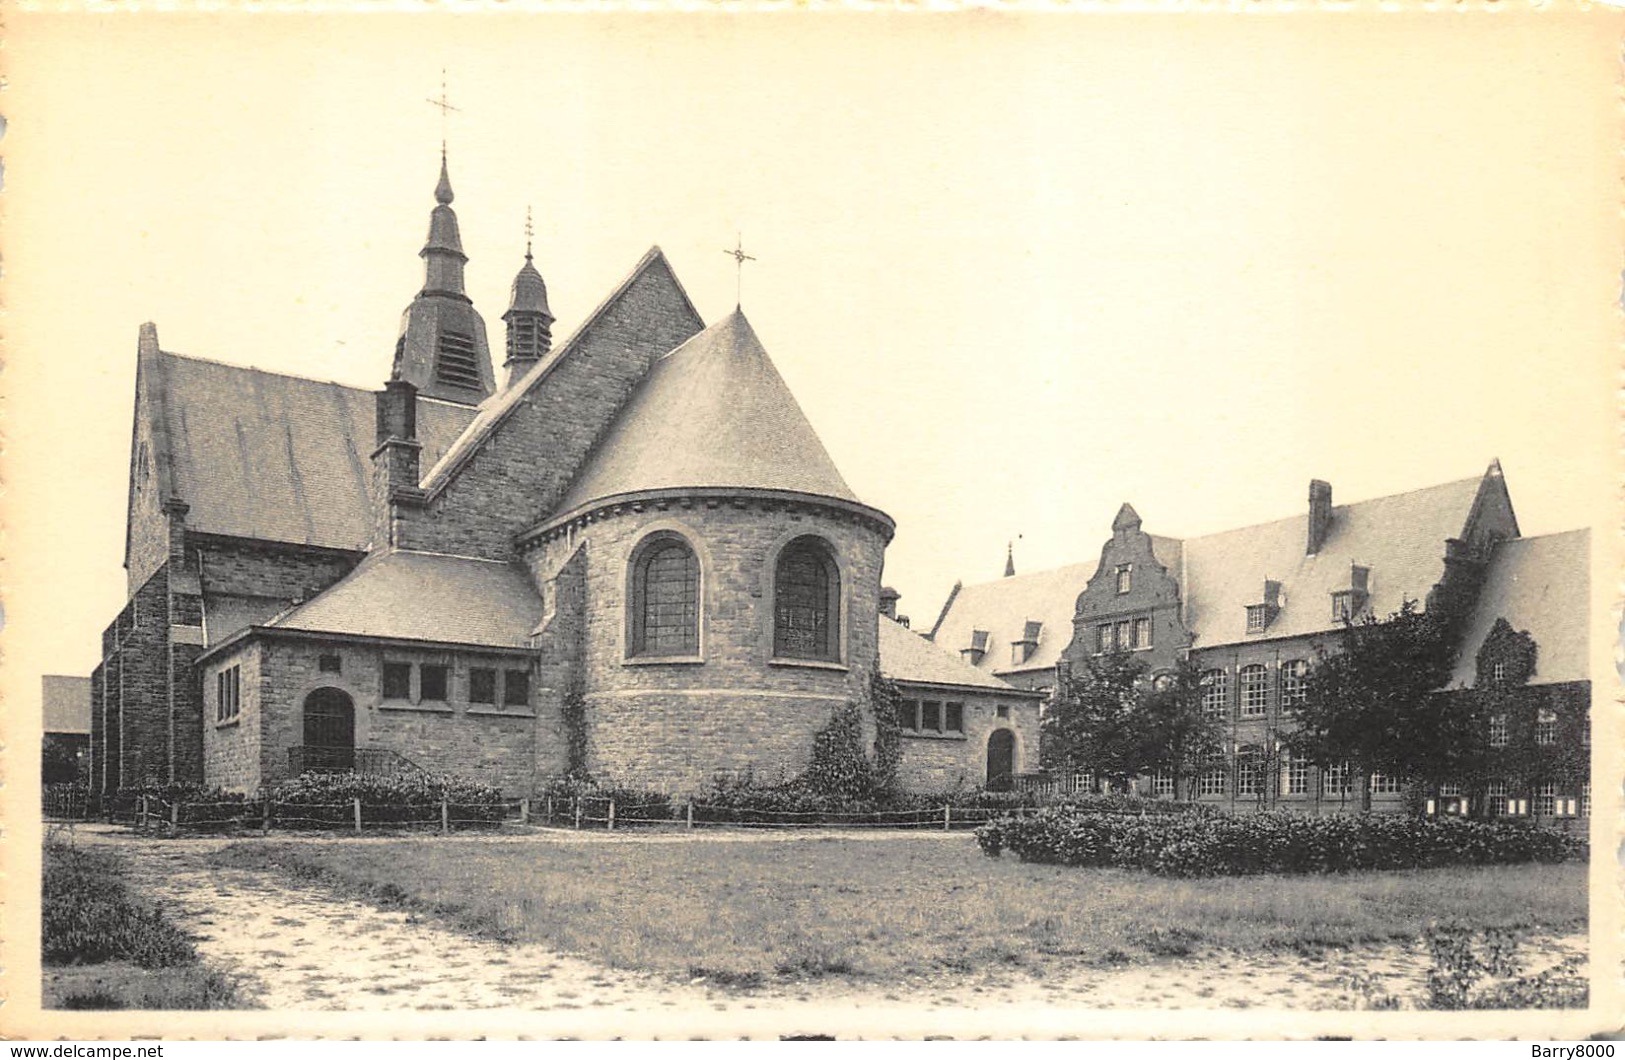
x,y
445,814
265,816
690,814
175,818
140,813
578,811
357,803
524,810
612,815
550,809
947,815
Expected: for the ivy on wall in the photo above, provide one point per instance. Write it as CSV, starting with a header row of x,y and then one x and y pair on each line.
x,y
574,713
884,698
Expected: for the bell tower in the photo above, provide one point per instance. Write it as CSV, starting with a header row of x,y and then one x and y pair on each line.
x,y
529,321
442,349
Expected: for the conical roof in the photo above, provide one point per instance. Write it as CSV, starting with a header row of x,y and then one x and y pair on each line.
x,y
529,293
713,412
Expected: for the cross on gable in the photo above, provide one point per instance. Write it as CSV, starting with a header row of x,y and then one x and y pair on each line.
x,y
444,103
740,257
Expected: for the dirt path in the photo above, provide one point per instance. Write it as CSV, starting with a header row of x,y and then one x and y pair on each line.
x,y
298,946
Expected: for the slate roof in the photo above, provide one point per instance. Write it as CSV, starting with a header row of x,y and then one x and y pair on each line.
x,y
1005,606
1401,538
278,457
65,703
496,408
907,656
425,596
1542,586
712,412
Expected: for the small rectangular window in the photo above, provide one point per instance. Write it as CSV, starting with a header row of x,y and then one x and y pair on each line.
x,y
908,715
1125,578
931,716
482,685
329,664
516,688
1004,710
227,694
1342,606
1123,642
1103,638
397,680
1258,617
953,717
432,682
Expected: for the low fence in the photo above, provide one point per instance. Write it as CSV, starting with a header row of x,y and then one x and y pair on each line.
x,y
154,815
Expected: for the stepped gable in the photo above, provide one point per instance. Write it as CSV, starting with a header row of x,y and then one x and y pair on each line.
x,y
1541,586
712,413
475,601
275,457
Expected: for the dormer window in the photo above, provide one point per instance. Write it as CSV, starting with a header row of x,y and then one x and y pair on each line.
x,y
1125,578
1343,606
1348,604
1023,649
977,650
1258,618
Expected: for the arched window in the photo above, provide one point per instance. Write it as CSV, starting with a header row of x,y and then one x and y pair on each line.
x,y
806,602
665,598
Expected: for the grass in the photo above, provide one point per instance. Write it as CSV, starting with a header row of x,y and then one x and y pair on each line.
x,y
101,947
739,911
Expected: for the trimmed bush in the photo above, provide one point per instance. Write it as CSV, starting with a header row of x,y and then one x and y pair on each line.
x,y
199,804
1203,844
632,805
326,800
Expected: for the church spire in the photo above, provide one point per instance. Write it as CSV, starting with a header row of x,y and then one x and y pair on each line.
x,y
530,322
1009,559
442,348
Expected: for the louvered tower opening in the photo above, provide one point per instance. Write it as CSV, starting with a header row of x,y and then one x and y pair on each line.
x,y
456,363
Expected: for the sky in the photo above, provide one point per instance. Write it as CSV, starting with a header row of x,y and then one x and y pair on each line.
x,y
1018,268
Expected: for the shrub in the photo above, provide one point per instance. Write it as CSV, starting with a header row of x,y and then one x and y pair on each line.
x,y
327,799
1462,963
199,804
1202,844
89,916
632,805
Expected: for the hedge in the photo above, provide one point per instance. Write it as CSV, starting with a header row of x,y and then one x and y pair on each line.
x,y
1239,845
327,799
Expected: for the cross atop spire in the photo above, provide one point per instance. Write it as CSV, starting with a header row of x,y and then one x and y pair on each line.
x,y
445,108
740,257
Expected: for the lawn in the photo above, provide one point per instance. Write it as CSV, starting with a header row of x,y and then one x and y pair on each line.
x,y
744,910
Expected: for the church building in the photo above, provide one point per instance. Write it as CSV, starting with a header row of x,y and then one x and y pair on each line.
x,y
631,541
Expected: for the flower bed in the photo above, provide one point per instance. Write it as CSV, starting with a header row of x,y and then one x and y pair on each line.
x,y
1239,845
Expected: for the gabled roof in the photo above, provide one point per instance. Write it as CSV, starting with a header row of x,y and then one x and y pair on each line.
x,y
907,656
280,458
1541,586
499,406
1004,607
1401,539
713,412
425,596
65,703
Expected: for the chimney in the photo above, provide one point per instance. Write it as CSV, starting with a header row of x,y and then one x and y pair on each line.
x,y
1320,514
888,601
395,460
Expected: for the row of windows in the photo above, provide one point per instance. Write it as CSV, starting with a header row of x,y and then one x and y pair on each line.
x,y
1550,800
1253,683
663,602
228,690
1545,729
1124,635
931,715
1297,778
486,684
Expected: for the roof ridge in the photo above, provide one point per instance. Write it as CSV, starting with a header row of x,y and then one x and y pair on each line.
x,y
447,555
303,378
1351,504
1028,575
503,402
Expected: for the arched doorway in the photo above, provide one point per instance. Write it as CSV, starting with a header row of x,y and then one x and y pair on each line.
x,y
1001,760
329,730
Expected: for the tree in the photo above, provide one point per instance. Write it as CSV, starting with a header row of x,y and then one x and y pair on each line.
x,y
1371,703
1090,725
1175,735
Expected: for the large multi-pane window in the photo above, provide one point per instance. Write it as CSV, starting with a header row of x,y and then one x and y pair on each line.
x,y
1249,776
1546,727
1585,800
1295,777
1162,784
1294,684
1383,784
666,599
1495,794
1142,633
1498,730
1213,781
1546,799
1255,690
806,603
1334,779
1215,693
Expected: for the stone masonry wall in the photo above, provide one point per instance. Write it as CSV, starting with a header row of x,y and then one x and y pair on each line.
x,y
231,749
675,725
135,725
933,763
522,469
495,745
